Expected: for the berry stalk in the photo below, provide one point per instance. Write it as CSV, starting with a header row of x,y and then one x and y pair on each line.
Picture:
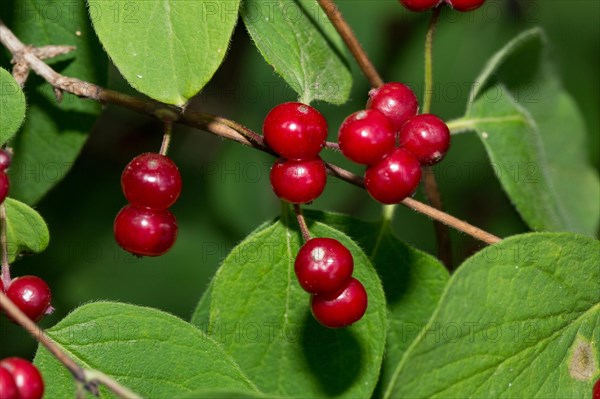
x,y
4,242
302,223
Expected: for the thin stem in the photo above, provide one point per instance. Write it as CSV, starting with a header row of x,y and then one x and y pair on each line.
x,y
432,191
112,385
442,233
80,375
428,95
342,27
332,146
164,147
302,223
4,243
216,125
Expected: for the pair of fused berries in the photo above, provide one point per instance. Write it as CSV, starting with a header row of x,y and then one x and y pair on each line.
x,y
297,133
151,183
19,379
324,269
459,5
31,294
5,161
370,136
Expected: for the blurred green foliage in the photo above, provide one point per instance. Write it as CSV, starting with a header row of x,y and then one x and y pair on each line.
x,y
226,187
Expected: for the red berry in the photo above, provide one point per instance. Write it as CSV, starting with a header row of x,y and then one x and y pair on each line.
x,y
427,137
323,265
596,390
8,388
396,101
4,186
26,376
152,181
420,5
298,182
295,131
366,137
465,5
31,294
5,159
145,232
395,178
342,308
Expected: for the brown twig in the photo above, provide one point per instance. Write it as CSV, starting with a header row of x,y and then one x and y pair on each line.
x,y
82,376
342,27
302,223
5,276
211,123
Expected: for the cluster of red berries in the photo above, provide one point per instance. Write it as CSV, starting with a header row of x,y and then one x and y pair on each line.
x,y
145,227
393,142
425,5
19,379
324,269
297,133
5,161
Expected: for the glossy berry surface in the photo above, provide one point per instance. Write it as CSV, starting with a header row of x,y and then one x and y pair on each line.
x,y
298,182
5,159
295,131
365,137
26,376
31,294
152,181
342,308
145,232
427,137
4,186
596,390
396,101
8,388
323,265
420,5
395,178
465,5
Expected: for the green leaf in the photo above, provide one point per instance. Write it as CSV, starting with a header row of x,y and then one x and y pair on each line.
x,y
297,39
201,316
517,320
413,281
262,316
535,135
153,353
12,106
166,49
26,230
225,394
53,133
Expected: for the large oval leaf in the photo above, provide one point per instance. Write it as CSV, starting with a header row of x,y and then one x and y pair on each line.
x,y
297,39
166,49
536,137
12,106
517,320
153,353
53,133
26,230
262,316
